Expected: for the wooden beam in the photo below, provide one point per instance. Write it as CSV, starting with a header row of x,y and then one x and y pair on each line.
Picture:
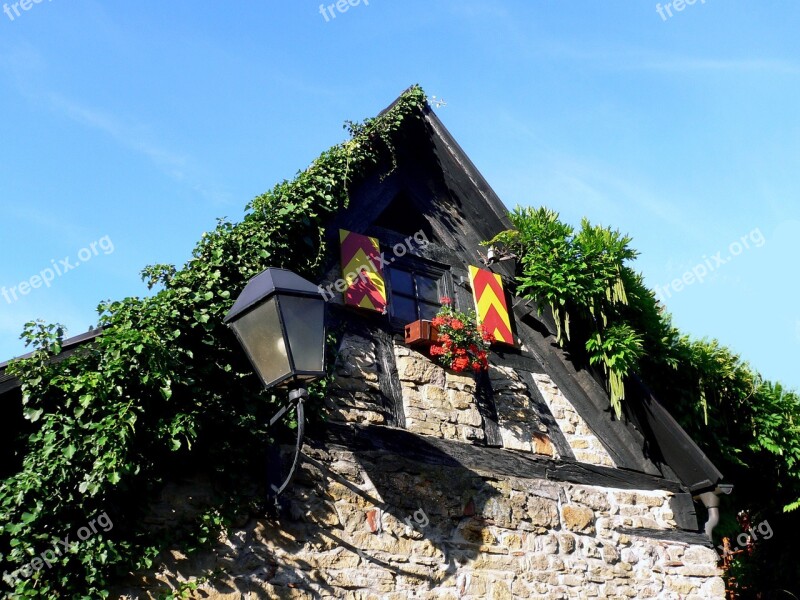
x,y
378,441
620,439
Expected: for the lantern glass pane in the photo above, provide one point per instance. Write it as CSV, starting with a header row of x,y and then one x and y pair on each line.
x,y
304,320
260,333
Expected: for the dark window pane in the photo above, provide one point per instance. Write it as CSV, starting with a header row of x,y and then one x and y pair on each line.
x,y
401,282
428,289
428,311
404,309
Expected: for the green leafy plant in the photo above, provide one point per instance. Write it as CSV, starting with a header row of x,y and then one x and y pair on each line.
x,y
618,349
578,275
607,316
165,390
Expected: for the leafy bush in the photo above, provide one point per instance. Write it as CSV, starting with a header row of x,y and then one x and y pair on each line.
x,y
165,387
578,275
749,428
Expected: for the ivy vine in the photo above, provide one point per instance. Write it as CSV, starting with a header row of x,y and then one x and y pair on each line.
x,y
165,388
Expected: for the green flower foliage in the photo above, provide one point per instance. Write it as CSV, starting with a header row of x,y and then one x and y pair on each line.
x,y
578,275
749,428
165,388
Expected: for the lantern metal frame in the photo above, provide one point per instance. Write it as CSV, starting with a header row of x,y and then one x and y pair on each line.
x,y
275,284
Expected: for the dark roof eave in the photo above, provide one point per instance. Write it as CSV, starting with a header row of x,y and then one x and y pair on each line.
x,y
9,383
678,449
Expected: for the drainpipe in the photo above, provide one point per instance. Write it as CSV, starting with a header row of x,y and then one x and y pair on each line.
x,y
711,501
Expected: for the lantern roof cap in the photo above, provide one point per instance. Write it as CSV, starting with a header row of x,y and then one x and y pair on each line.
x,y
268,283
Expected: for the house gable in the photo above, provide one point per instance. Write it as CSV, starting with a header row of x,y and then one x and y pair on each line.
x,y
424,481
435,189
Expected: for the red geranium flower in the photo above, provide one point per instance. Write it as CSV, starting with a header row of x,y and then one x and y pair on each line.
x,y
460,364
462,343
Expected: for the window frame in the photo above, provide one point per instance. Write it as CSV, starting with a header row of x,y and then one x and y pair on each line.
x,y
417,267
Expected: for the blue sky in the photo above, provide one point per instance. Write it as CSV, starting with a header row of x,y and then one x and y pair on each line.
x,y
134,126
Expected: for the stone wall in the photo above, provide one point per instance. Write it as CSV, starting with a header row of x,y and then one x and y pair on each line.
x,y
438,402
364,527
435,402
586,447
355,396
377,525
521,427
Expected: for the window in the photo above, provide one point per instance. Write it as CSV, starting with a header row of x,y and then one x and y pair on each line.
x,y
415,289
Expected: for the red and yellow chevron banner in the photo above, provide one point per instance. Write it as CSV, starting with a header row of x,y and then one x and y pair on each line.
x,y
490,303
361,269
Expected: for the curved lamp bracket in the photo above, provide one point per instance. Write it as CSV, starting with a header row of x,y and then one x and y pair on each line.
x,y
297,398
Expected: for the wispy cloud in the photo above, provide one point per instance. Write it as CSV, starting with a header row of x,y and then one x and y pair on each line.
x,y
714,64
42,221
26,68
600,187
477,9
129,135
628,57
137,138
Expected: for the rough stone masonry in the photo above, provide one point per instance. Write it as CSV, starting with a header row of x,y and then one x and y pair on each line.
x,y
474,534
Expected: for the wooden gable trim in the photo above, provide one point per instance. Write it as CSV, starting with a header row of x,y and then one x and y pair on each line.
x,y
388,442
624,444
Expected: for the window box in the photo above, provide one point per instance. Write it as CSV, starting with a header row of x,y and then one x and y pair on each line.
x,y
421,333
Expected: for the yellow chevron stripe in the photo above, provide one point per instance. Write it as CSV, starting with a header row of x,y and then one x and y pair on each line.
x,y
343,234
489,299
358,262
374,277
379,284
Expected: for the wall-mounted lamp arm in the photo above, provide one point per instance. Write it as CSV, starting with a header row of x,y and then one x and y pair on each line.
x,y
297,398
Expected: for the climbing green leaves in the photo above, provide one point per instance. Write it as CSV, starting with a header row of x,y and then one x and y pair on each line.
x,y
165,388
579,276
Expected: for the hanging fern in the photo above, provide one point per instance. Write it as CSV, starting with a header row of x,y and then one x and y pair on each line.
x,y
579,275
749,428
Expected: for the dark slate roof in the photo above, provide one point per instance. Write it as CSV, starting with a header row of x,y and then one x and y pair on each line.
x,y
69,346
